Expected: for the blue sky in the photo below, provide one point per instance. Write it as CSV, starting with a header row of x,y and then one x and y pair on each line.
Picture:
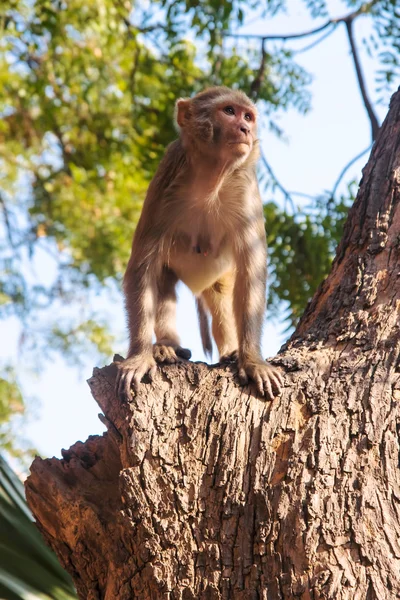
x,y
318,146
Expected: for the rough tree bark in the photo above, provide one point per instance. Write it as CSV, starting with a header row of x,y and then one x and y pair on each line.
x,y
199,489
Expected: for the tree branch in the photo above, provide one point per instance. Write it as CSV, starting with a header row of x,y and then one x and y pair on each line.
x,y
256,84
361,83
280,36
364,9
132,76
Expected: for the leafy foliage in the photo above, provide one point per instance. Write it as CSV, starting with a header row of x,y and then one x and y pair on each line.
x,y
28,569
12,409
301,247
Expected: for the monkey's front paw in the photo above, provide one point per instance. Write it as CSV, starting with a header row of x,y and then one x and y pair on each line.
x,y
170,353
131,372
268,379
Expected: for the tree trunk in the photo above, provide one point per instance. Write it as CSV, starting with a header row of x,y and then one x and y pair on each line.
x,y
200,489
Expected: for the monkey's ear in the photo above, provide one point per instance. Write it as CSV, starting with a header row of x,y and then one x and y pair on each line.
x,y
182,111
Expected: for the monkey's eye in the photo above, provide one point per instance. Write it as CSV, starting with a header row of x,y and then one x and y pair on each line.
x,y
248,117
229,110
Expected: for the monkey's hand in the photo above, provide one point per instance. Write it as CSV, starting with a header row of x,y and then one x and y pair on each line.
x,y
169,353
268,379
131,371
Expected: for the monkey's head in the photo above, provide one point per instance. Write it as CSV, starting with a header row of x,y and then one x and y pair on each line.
x,y
219,123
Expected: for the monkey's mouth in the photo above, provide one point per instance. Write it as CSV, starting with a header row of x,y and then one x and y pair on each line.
x,y
242,147
239,143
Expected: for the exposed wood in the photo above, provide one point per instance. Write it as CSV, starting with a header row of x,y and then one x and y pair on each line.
x,y
200,489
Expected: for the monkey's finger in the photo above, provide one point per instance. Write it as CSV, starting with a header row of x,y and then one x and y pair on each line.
x,y
119,383
268,393
152,373
243,377
121,387
183,353
129,379
277,382
259,383
278,376
171,360
137,377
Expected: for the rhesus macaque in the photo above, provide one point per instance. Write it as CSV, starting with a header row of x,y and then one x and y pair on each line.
x,y
202,223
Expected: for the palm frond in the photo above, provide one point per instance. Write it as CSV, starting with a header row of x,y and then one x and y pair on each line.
x,y
29,570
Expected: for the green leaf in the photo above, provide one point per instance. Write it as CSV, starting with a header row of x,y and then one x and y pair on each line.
x,y
29,570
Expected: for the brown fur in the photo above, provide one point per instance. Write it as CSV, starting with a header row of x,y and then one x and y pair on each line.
x,y
202,222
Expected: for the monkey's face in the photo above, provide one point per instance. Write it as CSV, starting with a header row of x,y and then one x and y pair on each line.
x,y
234,130
219,124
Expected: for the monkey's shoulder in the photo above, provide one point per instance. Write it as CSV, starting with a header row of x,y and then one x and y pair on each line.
x,y
169,169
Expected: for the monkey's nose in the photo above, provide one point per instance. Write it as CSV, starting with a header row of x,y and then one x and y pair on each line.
x,y
244,129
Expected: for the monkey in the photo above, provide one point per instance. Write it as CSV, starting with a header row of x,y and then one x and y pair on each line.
x,y
202,223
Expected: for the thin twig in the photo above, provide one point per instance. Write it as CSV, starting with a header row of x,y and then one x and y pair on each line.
x,y
302,195
316,42
292,36
343,171
256,84
7,222
132,75
286,194
279,36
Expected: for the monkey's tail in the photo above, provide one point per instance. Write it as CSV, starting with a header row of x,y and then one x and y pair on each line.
x,y
204,326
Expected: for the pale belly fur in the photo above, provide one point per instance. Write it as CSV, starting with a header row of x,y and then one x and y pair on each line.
x,y
199,267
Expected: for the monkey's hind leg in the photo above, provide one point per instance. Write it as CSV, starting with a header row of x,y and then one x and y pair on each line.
x,y
219,300
167,348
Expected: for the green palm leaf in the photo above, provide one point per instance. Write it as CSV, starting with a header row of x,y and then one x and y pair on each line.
x,y
28,568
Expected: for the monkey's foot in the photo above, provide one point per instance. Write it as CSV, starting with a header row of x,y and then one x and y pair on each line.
x,y
131,372
170,353
268,379
229,357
